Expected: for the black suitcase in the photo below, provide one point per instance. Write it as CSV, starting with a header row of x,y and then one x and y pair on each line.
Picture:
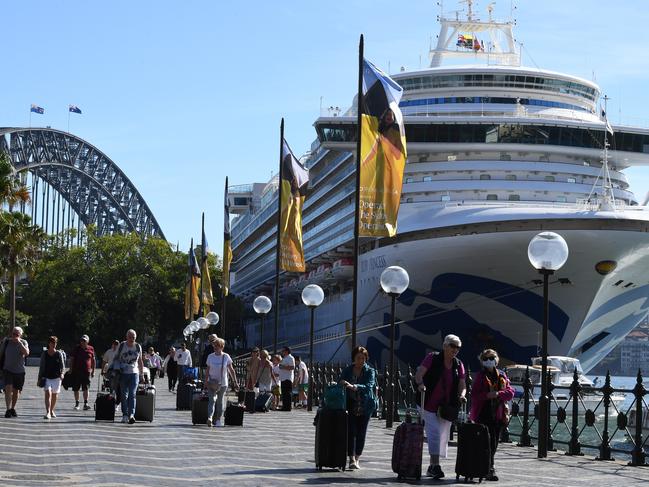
x,y
145,403
241,396
331,439
473,452
199,408
249,401
105,407
184,396
263,402
234,414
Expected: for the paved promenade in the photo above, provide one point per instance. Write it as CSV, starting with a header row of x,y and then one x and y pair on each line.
x,y
271,449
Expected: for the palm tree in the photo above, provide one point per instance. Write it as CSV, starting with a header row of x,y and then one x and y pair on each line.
x,y
20,241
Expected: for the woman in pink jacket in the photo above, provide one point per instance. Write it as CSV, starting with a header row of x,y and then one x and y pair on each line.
x,y
489,397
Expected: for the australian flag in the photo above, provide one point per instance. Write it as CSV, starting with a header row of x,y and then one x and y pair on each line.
x,y
37,109
74,109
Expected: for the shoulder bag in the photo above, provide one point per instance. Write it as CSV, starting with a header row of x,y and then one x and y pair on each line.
x,y
215,384
449,412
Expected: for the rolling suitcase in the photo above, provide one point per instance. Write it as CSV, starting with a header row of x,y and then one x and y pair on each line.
x,y
105,407
241,396
199,408
263,402
473,451
145,403
249,401
234,414
407,447
184,396
331,439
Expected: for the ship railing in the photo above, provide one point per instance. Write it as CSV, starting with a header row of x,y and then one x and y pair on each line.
x,y
594,204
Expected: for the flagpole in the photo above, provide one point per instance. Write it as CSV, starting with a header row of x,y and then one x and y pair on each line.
x,y
359,119
225,256
201,305
69,120
279,221
191,283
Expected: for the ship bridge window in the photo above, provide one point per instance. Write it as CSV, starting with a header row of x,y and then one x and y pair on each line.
x,y
550,179
514,197
445,197
240,201
485,176
427,179
511,177
561,199
492,197
571,180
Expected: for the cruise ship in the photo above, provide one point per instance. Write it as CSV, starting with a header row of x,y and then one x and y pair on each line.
x,y
497,153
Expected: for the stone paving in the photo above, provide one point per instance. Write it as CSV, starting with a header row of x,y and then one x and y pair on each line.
x,y
271,449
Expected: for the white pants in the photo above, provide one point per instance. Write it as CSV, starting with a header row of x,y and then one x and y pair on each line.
x,y
437,431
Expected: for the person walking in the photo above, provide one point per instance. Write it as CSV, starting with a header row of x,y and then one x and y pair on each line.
x,y
360,381
50,375
252,369
153,362
275,387
184,361
490,393
301,381
82,364
170,367
131,365
219,365
286,375
108,357
265,372
13,351
442,376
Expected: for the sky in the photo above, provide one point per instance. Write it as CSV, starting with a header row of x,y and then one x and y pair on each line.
x,y
182,94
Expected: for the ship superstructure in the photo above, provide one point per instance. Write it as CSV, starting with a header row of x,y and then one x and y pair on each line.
x,y
497,152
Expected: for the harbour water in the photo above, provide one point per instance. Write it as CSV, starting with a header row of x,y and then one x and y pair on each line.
x,y
591,436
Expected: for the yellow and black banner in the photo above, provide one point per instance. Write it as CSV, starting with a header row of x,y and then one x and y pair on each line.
x,y
295,179
227,249
192,302
207,297
383,154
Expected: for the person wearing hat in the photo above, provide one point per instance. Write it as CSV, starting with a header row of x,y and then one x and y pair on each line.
x,y
252,369
82,364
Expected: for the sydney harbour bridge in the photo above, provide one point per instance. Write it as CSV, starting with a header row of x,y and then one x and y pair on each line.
x,y
73,185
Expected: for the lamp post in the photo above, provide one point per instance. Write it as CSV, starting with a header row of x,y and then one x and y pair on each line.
x,y
262,306
394,281
312,296
212,318
547,252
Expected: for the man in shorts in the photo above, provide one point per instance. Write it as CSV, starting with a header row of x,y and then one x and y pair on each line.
x,y
13,351
301,381
83,368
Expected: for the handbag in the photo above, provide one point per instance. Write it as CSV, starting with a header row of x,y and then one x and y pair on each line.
x,y
41,382
448,412
213,384
67,380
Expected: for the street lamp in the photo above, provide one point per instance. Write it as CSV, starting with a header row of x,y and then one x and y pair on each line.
x,y
262,306
547,252
312,296
212,318
203,324
394,281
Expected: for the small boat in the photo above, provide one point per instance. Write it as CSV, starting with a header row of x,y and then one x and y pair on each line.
x,y
561,371
343,269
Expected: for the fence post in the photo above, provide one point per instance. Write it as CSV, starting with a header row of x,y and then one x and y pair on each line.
x,y
605,447
526,440
638,456
574,447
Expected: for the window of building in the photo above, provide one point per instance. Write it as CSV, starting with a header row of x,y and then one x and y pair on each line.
x,y
514,197
571,180
492,197
408,180
427,178
446,197
511,177
549,179
485,176
561,199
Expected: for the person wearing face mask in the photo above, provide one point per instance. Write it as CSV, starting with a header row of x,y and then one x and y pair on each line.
x,y
490,394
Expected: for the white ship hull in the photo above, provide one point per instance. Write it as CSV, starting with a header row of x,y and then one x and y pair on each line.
x,y
482,288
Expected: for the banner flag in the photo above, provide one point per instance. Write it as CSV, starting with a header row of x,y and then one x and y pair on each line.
x,y
383,153
295,179
192,302
207,297
37,109
74,109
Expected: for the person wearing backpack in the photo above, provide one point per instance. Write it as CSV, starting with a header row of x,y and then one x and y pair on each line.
x,y
131,366
13,351
441,376
50,375
490,393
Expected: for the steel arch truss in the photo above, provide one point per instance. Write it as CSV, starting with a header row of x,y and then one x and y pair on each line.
x,y
96,189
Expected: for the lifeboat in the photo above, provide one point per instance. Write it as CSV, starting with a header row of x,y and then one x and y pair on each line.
x,y
343,269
